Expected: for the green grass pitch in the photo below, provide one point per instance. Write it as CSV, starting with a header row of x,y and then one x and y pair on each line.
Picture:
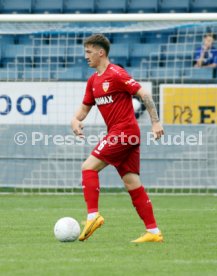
x,y
28,246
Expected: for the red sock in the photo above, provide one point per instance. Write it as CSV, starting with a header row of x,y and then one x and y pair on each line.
x,y
90,185
143,206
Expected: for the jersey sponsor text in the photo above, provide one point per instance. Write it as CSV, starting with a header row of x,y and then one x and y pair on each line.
x,y
104,100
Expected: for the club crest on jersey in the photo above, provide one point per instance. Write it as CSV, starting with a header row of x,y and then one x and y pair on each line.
x,y
105,86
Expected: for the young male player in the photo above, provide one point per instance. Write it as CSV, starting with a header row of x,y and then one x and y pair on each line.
x,y
111,89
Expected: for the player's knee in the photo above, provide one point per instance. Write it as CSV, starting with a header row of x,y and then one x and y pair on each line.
x,y
132,186
92,163
131,181
84,166
127,186
131,178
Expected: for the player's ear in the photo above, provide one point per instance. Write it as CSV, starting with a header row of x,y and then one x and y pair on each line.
x,y
101,52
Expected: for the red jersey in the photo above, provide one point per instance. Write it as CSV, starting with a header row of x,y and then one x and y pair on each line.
x,y
112,92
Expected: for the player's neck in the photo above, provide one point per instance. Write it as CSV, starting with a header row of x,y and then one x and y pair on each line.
x,y
102,67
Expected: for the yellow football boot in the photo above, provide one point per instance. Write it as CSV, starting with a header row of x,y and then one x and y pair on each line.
x,y
90,227
149,237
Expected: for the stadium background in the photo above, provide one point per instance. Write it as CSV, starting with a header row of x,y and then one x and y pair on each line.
x,y
42,80
42,60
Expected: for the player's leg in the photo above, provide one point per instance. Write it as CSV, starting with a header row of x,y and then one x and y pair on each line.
x,y
106,152
143,206
90,182
129,172
91,188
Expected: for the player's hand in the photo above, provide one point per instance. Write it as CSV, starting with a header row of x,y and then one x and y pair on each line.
x,y
157,130
77,128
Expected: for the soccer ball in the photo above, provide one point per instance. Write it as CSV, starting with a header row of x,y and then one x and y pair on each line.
x,y
136,105
67,229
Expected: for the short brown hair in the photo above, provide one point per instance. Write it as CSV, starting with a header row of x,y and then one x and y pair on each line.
x,y
98,40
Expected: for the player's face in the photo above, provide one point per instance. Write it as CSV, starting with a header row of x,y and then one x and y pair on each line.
x,y
92,55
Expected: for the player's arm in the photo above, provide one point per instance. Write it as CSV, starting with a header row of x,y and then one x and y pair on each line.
x,y
79,116
151,108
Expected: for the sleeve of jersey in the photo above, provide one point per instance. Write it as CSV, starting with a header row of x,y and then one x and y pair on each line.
x,y
88,96
127,83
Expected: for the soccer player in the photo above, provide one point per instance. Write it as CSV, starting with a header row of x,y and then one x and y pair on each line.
x,y
111,89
